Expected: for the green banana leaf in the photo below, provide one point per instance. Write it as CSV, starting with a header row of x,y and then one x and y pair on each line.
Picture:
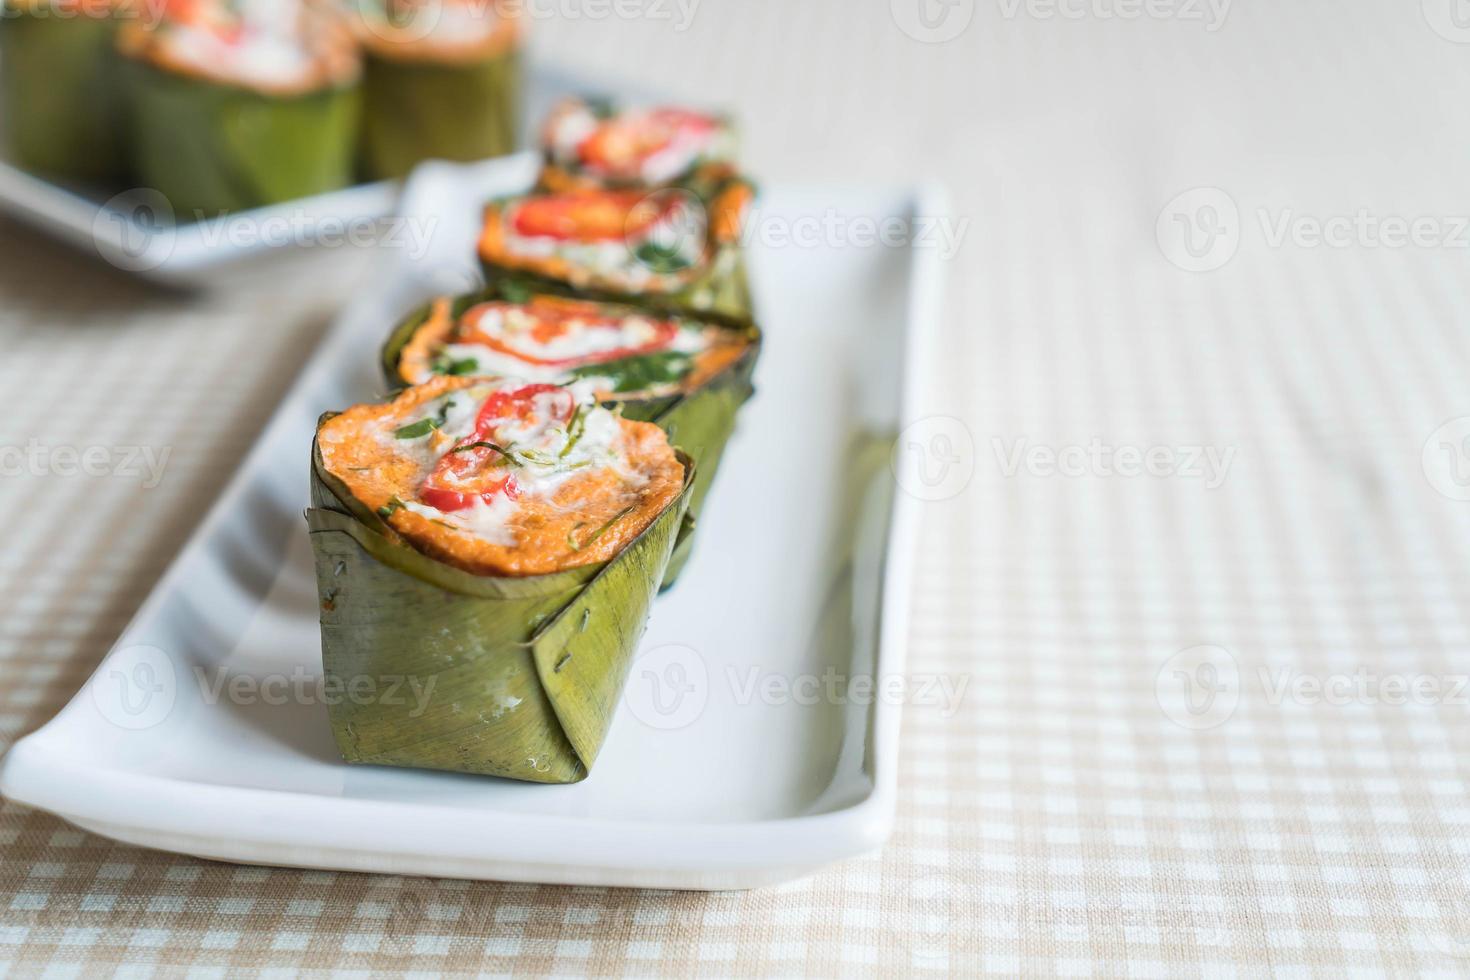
x,y
59,95
427,110
211,148
700,422
513,677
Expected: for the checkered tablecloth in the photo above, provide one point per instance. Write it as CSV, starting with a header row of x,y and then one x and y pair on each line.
x,y
1206,580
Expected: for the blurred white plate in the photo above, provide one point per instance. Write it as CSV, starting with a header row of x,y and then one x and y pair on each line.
x,y
136,230
713,776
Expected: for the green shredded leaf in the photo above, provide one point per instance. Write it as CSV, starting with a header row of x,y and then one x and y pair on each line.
x,y
536,456
416,430
600,531
467,365
575,428
514,292
663,259
508,454
393,504
421,428
641,372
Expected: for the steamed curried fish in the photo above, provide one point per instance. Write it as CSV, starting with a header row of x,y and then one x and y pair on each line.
x,y
244,104
625,352
675,247
496,545
504,477
443,79
589,143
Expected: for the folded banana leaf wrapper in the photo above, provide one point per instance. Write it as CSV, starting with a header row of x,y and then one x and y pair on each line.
x,y
212,146
427,108
717,284
59,94
700,422
514,677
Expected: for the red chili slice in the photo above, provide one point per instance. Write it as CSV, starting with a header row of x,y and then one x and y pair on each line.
x,y
587,216
553,320
468,463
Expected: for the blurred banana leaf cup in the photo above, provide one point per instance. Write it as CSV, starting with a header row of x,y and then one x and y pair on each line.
x,y
442,81
238,107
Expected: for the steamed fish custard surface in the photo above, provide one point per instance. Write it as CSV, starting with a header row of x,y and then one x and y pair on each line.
x,y
688,374
678,247
238,105
591,144
442,81
623,352
504,477
59,96
494,547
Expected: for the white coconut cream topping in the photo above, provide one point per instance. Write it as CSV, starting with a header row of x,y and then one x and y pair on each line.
x,y
574,123
545,449
677,241
582,341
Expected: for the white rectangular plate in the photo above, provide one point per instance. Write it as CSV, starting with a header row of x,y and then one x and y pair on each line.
x,y
135,230
713,776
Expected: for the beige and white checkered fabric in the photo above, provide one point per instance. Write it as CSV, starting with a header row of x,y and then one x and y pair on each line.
x,y
1179,752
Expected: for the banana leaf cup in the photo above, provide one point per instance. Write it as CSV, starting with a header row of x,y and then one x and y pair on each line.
x,y
59,95
675,249
590,144
690,375
515,669
215,131
442,82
